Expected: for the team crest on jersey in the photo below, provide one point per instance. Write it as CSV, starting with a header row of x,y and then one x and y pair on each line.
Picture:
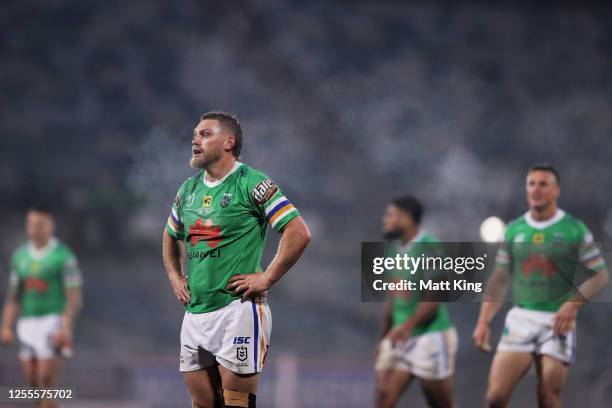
x,y
226,200
264,191
242,353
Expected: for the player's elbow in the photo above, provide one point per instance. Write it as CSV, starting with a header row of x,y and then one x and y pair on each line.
x,y
298,231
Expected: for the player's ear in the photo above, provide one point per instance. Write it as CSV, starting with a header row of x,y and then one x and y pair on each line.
x,y
230,142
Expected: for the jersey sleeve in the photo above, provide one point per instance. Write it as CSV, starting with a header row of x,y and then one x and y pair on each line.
x,y
589,254
269,202
174,224
503,259
71,271
14,281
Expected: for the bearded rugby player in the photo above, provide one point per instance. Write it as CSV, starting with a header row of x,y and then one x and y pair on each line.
x,y
219,219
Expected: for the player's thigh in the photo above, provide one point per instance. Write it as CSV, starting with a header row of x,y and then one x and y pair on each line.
x,y
390,385
230,380
204,386
552,374
48,371
438,393
506,371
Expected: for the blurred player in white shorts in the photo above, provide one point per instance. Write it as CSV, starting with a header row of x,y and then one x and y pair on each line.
x,y
541,253
43,297
418,337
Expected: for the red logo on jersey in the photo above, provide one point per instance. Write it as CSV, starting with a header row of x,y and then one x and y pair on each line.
x,y
538,262
208,232
36,284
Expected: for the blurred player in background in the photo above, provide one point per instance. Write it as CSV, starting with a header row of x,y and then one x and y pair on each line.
x,y
418,339
542,250
219,218
44,297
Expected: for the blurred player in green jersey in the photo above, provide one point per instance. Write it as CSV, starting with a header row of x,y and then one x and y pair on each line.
x,y
418,339
542,252
219,220
43,297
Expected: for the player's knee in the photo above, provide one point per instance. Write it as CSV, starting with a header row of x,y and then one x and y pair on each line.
x,y
496,399
237,399
384,399
203,402
548,396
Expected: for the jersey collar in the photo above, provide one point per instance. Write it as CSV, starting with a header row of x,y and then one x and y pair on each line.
x,y
417,238
211,184
40,253
546,223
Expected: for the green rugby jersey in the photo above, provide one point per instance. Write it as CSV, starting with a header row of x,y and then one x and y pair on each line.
x,y
224,226
41,276
544,257
405,303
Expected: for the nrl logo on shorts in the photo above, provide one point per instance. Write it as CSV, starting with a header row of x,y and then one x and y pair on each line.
x,y
226,200
241,353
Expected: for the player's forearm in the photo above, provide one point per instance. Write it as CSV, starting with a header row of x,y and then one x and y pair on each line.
x,y
294,240
386,326
74,302
172,257
494,295
590,288
10,313
423,313
488,310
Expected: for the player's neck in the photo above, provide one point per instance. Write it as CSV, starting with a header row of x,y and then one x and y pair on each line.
x,y
543,214
219,169
409,236
41,244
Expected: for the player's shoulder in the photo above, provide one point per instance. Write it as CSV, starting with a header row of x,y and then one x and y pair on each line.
x,y
64,249
20,251
249,174
428,237
575,224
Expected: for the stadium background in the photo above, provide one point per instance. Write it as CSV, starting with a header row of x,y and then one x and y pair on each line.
x,y
345,104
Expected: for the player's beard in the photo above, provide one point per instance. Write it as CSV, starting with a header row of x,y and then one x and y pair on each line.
x,y
393,234
204,160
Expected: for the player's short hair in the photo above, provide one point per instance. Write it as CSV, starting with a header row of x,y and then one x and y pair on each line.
x,y
230,122
43,208
410,205
545,166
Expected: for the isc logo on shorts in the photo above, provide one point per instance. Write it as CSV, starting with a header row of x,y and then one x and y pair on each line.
x,y
242,340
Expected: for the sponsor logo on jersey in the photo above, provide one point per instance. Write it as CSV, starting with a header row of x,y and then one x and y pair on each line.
x,y
264,191
538,263
519,237
177,201
207,201
242,353
35,284
200,254
226,200
538,238
242,340
205,231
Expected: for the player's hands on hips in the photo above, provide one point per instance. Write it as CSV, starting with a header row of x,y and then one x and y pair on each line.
x,y
482,337
400,333
254,284
565,318
180,289
7,336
